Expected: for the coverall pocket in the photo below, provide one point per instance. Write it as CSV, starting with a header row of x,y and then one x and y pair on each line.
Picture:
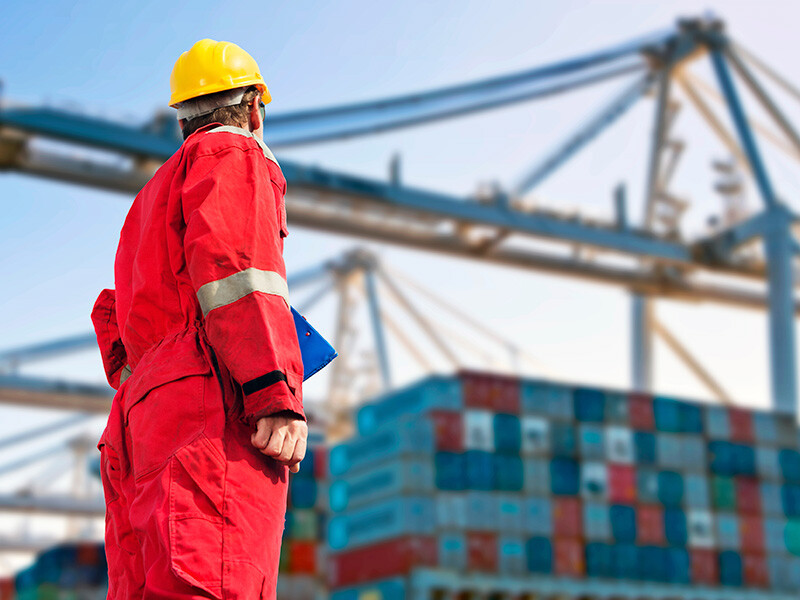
x,y
197,483
165,419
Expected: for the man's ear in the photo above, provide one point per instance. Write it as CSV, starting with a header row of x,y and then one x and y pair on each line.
x,y
254,118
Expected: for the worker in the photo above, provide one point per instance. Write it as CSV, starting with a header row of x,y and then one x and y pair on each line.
x,y
198,338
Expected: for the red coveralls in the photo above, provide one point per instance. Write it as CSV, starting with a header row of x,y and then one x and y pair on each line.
x,y
200,342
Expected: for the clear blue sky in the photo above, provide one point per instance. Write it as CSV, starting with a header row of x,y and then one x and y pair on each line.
x,y
114,59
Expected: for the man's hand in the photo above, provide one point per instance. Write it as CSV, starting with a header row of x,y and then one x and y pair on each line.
x,y
282,436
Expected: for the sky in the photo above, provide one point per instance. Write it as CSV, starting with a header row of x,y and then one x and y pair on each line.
x,y
113,60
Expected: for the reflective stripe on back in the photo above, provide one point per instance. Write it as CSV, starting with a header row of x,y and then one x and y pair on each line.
x,y
230,289
244,133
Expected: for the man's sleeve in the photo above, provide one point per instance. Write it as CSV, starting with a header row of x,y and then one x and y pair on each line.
x,y
234,255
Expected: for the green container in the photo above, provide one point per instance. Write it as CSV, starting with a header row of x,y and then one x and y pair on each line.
x,y
47,591
723,493
304,524
791,536
283,561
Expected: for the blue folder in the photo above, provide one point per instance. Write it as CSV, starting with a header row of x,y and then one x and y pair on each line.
x,y
315,349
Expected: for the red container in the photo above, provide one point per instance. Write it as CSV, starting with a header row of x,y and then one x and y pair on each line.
x,y
622,484
748,495
88,554
569,560
384,559
482,551
751,532
302,557
705,568
641,411
741,425
7,588
320,462
567,517
448,428
650,525
755,569
492,392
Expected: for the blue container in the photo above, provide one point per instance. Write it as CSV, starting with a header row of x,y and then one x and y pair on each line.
x,y
693,454
538,516
653,565
537,476
452,551
451,471
592,446
306,465
589,405
625,561
435,392
539,552
535,435
508,473
679,568
623,523
718,423
697,491
481,511
765,427
480,470
564,477
563,440
596,521
675,526
730,568
772,499
599,560
744,459
767,463
667,414
302,492
647,485
451,510
644,448
790,496
410,436
383,520
512,557
728,531
538,397
510,512
507,433
691,418
617,408
670,488
396,588
789,461
669,450
773,535
410,476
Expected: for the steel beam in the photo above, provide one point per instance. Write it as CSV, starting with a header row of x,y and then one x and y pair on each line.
x,y
52,505
32,392
778,243
641,343
377,329
585,134
17,356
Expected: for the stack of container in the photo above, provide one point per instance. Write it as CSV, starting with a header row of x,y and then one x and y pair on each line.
x,y
480,473
302,561
65,572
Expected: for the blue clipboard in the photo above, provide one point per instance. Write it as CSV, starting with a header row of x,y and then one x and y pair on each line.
x,y
314,348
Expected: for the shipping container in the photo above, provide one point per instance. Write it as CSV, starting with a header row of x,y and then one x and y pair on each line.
x,y
482,551
644,445
592,445
380,521
539,553
623,523
536,435
650,524
511,556
507,433
385,559
538,516
569,558
554,401
567,517
596,521
498,393
617,408
448,428
409,476
718,424
452,550
479,430
619,445
589,405
435,392
622,484
702,533
537,476
594,481
641,411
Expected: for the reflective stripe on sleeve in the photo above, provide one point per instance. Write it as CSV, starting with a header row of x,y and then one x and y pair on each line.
x,y
230,289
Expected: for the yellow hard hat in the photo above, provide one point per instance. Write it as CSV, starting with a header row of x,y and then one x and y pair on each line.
x,y
210,66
